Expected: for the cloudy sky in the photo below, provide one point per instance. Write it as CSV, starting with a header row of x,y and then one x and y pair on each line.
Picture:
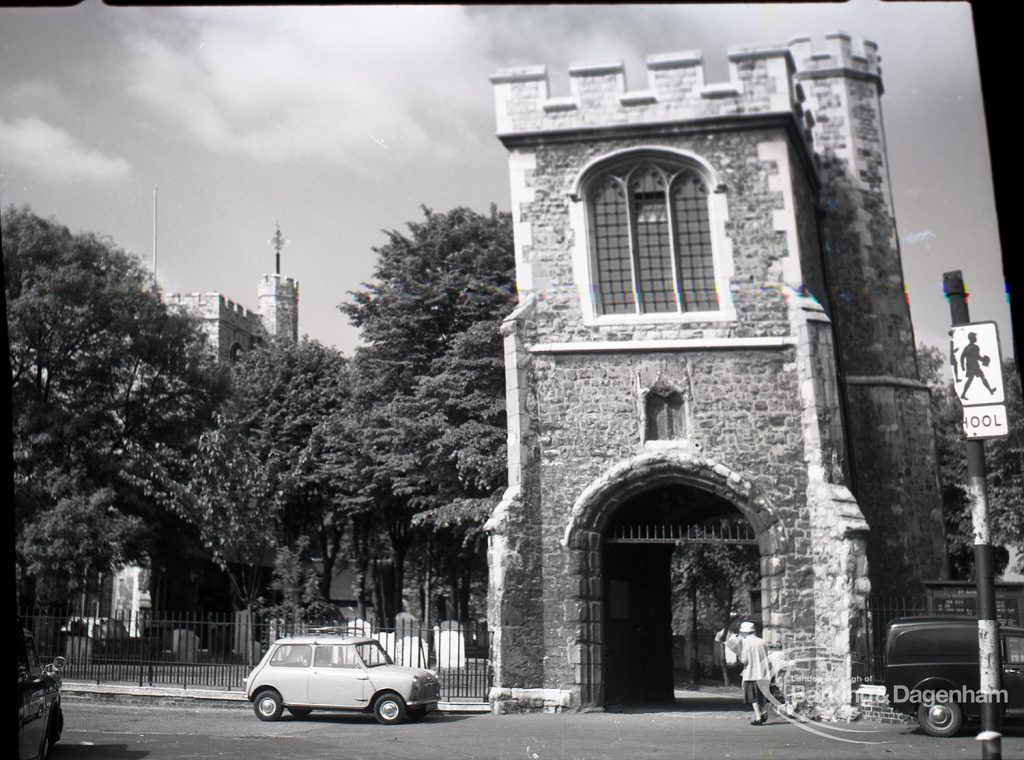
x,y
339,122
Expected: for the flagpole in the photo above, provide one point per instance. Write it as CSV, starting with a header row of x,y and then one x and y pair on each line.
x,y
154,234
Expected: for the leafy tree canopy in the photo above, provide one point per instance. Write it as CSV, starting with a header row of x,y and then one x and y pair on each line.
x,y
109,389
265,477
430,378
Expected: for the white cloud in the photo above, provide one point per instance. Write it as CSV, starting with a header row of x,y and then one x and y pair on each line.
x,y
280,84
913,238
55,153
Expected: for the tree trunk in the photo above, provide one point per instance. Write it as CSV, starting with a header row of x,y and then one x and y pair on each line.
x,y
694,661
464,587
398,581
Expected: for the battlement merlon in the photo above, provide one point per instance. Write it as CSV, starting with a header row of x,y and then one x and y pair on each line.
x,y
840,58
763,79
270,283
212,305
760,82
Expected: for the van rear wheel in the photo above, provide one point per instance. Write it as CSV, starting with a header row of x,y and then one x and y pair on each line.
x,y
940,718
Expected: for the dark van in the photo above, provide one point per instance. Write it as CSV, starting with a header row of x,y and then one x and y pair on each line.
x,y
931,671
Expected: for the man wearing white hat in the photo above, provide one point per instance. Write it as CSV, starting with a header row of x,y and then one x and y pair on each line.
x,y
756,672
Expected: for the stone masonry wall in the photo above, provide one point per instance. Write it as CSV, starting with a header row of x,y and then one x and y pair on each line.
x,y
897,486
746,415
279,307
894,465
226,323
757,247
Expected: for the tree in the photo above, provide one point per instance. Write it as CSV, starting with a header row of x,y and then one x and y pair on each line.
x,y
268,477
430,379
1005,462
109,391
1004,465
713,578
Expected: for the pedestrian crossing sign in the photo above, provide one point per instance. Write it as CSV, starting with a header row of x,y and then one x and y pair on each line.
x,y
976,363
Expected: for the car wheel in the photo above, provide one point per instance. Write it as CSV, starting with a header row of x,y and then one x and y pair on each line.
x,y
416,713
389,709
300,712
267,705
940,718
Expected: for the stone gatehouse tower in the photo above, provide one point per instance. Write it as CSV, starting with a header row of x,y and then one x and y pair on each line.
x,y
712,321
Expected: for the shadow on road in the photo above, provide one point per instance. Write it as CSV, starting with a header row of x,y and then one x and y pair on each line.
x,y
95,752
683,705
340,717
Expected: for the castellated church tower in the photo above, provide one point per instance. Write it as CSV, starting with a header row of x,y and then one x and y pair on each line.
x,y
279,308
712,330
233,329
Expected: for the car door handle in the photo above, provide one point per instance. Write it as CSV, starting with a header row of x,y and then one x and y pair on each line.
x,y
362,678
1015,671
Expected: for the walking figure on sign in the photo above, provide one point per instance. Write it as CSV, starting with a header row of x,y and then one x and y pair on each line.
x,y
971,362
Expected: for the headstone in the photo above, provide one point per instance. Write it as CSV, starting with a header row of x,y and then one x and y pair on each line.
x,y
185,645
451,645
359,627
78,650
243,633
411,652
387,640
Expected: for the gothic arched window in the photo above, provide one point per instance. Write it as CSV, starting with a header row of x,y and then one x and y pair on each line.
x,y
650,238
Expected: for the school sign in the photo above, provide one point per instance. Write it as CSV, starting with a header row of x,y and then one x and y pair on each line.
x,y
976,364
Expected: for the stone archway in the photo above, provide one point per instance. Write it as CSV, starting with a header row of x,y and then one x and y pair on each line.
x,y
588,519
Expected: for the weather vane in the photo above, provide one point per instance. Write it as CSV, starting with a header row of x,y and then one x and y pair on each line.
x,y
279,242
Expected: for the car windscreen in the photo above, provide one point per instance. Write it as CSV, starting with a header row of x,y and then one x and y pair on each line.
x,y
372,654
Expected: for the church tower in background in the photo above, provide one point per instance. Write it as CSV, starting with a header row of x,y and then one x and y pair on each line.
x,y
279,299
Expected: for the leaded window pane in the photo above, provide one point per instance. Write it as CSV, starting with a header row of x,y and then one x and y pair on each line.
x,y
654,244
697,289
611,235
652,241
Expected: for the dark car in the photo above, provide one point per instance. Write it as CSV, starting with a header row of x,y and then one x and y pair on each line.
x,y
931,671
40,718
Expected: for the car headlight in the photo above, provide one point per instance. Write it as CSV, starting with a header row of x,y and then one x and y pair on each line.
x,y
415,682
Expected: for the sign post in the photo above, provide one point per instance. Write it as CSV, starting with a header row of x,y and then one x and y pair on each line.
x,y
973,358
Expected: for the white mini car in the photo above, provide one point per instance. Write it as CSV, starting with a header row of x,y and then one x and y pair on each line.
x,y
332,672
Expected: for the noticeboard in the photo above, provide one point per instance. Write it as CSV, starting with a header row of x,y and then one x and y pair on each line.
x,y
961,598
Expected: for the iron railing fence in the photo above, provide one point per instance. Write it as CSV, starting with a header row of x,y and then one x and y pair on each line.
x,y
879,611
218,649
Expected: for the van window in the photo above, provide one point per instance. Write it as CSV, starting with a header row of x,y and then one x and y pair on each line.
x,y
938,641
1014,650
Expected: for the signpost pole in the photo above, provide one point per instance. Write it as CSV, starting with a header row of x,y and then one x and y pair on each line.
x,y
989,658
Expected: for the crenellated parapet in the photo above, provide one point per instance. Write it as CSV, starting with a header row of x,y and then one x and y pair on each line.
x,y
841,57
275,283
760,82
211,306
763,79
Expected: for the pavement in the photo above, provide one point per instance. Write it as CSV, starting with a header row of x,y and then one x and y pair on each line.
x,y
712,697
178,696
718,727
